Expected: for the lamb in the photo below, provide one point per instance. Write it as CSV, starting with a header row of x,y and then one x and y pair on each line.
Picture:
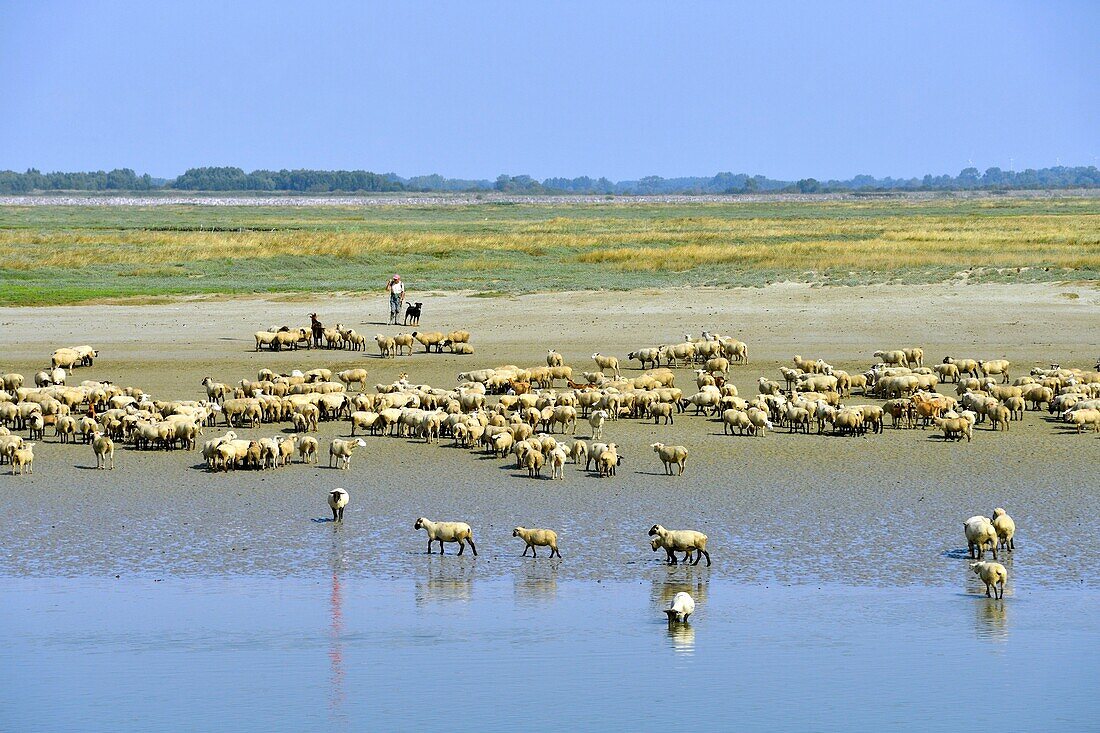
x,y
403,341
681,608
354,376
537,538
734,418
671,454
607,363
954,428
760,422
22,458
681,540
554,359
1006,529
441,532
341,451
980,532
104,448
337,500
993,574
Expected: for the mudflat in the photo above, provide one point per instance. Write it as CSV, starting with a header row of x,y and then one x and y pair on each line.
x,y
793,509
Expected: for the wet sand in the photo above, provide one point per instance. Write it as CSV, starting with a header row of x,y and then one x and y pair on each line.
x,y
789,509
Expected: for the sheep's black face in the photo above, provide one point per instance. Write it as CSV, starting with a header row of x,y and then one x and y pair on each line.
x,y
653,530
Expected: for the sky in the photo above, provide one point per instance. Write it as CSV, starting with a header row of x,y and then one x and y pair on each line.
x,y
619,89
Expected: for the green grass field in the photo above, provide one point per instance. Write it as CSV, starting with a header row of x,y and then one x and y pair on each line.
x,y
58,254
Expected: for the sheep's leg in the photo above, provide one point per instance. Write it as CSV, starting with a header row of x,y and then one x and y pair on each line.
x,y
461,547
472,545
333,513
430,540
534,553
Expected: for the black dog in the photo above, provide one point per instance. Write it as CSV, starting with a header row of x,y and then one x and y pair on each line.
x,y
412,314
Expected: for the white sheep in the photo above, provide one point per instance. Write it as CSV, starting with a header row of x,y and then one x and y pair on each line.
x,y
341,451
670,455
104,448
537,538
441,532
681,540
681,608
980,532
1006,529
23,459
607,363
337,500
993,574
596,420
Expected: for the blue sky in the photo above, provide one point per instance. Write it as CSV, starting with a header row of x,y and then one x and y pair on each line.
x,y
474,89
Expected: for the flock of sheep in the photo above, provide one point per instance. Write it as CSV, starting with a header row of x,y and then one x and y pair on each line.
x,y
512,411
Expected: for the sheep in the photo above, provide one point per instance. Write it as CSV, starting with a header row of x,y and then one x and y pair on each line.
x,y
681,608
66,358
578,450
403,341
533,461
658,410
645,356
980,532
767,386
995,366
428,340
968,367
22,458
342,450
606,363
1083,418
954,428
12,381
681,540
671,454
462,349
946,372
717,365
608,460
914,356
760,422
387,347
554,359
307,448
1006,529
993,574
557,457
337,500
8,445
354,376
596,420
104,448
537,538
441,532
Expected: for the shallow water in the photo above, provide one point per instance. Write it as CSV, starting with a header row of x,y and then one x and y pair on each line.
x,y
448,648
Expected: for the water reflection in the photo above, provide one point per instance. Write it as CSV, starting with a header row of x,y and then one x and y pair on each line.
x,y
667,585
991,617
535,585
336,633
682,637
445,579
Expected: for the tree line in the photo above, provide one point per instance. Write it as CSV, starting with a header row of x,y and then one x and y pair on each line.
x,y
227,178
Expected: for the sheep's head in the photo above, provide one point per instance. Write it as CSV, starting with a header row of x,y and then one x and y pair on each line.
x,y
655,543
655,530
516,531
656,446
420,523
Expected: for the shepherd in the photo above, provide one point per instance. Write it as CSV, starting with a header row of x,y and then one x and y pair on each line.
x,y
396,289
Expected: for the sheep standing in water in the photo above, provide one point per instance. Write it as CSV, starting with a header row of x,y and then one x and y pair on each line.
x,y
441,532
337,500
681,608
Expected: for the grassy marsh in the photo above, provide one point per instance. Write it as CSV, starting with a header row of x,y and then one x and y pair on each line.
x,y
65,254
